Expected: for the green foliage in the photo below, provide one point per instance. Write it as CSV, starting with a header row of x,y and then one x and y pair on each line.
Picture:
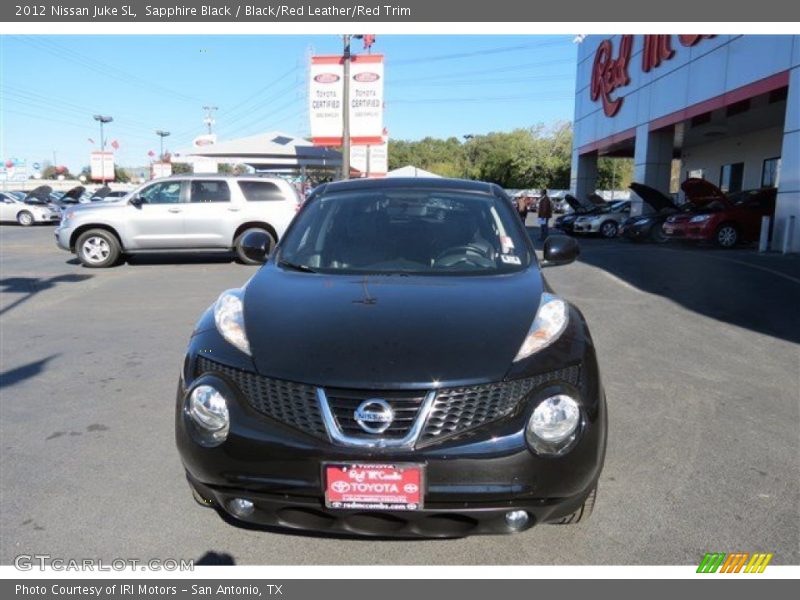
x,y
524,158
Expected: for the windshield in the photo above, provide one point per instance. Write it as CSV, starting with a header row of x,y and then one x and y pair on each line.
x,y
406,231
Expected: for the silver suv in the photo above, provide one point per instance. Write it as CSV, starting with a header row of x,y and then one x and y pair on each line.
x,y
183,212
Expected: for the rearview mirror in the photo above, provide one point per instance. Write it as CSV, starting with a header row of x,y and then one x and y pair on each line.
x,y
256,246
560,250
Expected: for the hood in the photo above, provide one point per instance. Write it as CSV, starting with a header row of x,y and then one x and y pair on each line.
x,y
74,193
39,194
385,332
655,199
597,200
577,205
702,193
101,192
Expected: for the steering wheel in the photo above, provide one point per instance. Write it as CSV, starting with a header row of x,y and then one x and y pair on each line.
x,y
466,253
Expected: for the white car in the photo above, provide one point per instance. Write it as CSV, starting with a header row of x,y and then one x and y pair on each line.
x,y
26,213
606,220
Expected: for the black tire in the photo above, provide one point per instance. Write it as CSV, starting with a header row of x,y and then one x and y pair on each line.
x,y
237,245
97,249
726,236
25,218
583,513
609,229
657,234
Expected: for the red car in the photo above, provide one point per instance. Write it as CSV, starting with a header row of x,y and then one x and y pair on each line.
x,y
726,219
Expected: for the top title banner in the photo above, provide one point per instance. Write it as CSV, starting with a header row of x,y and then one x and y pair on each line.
x,y
399,11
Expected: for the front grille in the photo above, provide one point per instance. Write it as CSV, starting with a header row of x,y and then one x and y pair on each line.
x,y
454,410
405,406
293,404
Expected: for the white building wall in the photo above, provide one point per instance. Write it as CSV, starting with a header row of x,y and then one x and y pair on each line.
x,y
751,149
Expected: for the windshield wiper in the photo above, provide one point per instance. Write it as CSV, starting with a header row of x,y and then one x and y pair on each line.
x,y
295,266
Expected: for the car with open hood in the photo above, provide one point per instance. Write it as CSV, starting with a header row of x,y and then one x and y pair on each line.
x,y
399,366
648,225
34,208
591,205
725,219
605,221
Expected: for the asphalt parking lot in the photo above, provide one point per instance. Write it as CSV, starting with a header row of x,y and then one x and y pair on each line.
x,y
700,354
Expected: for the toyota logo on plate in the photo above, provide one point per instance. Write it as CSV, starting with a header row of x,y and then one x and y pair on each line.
x,y
374,415
340,487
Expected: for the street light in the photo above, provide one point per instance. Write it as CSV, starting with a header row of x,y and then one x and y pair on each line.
x,y
162,134
103,120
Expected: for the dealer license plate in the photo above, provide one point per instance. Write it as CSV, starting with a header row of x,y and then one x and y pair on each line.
x,y
373,486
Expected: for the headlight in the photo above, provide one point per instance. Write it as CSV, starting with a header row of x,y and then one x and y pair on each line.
x,y
553,426
229,317
67,216
209,411
550,322
700,219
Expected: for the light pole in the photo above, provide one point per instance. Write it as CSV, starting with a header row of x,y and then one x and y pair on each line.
x,y
103,120
161,134
209,120
346,109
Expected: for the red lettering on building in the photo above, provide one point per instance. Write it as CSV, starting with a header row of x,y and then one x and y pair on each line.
x,y
657,48
609,73
692,40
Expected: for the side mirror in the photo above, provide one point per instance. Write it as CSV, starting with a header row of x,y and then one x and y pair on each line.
x,y
136,200
560,250
256,246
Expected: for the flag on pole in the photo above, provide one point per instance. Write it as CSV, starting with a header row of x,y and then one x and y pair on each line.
x,y
91,141
115,145
151,154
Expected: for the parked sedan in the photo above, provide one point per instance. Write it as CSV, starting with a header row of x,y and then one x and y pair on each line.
x,y
398,367
566,223
725,219
648,226
25,213
606,221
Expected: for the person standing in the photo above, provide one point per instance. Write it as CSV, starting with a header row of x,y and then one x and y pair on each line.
x,y
522,206
544,212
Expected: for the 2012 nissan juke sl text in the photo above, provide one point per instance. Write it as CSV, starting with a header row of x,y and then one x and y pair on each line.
x,y
399,366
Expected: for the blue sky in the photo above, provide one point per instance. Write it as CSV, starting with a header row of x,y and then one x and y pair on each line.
x,y
50,86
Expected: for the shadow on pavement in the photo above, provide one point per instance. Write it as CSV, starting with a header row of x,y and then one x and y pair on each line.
x,y
740,287
30,286
15,376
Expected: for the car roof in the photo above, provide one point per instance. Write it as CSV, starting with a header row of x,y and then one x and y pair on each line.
x,y
251,176
435,183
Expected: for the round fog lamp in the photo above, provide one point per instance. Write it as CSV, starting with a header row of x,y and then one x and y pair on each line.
x,y
553,425
516,519
241,507
209,411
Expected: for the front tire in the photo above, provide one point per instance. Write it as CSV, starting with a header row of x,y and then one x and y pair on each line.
x,y
583,513
609,229
97,249
25,218
657,234
727,235
237,245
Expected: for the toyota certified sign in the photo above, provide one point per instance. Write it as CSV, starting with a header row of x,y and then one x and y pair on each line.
x,y
326,99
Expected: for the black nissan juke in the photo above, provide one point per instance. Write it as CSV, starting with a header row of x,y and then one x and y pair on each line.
x,y
398,366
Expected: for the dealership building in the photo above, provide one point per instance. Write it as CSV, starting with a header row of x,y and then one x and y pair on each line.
x,y
726,106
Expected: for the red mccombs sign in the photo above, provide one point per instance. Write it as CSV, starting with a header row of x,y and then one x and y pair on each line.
x,y
610,72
